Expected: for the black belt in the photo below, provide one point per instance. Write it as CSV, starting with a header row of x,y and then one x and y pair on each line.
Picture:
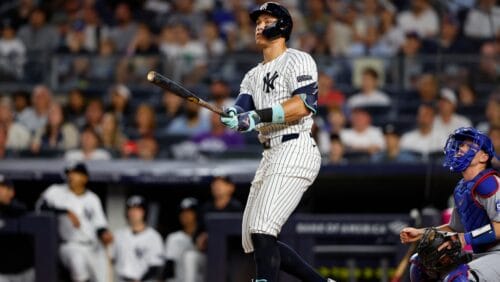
x,y
287,137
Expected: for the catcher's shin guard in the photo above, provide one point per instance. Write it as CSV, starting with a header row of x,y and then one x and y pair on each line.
x,y
459,274
417,270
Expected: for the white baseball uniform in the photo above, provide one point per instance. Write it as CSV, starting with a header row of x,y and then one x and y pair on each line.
x,y
292,160
80,250
135,253
177,245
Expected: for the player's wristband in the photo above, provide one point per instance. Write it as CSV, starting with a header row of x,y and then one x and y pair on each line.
x,y
275,114
480,236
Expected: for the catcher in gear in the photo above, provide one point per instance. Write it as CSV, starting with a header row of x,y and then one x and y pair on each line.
x,y
475,220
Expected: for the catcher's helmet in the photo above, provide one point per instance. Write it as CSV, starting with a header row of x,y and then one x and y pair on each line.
x,y
458,161
283,27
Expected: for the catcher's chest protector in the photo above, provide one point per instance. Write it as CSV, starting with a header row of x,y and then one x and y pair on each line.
x,y
472,214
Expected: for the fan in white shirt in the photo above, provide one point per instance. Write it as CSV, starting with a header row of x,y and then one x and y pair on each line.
x,y
423,139
369,95
362,136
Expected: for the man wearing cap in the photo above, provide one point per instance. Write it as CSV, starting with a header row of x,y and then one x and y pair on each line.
x,y
446,121
180,242
138,248
82,225
16,259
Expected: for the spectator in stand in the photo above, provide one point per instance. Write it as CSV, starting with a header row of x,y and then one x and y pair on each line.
x,y
423,139
12,53
21,102
315,16
119,97
4,151
186,53
449,40
494,134
189,123
447,120
370,45
220,95
487,72
74,111
103,65
90,143
393,152
492,113
362,137
370,95
336,151
19,13
178,243
147,148
92,29
392,37
35,117
409,63
18,136
427,89
93,114
466,95
74,42
57,133
483,22
421,19
241,36
328,94
340,33
143,42
185,10
145,122
172,106
215,46
369,16
112,137
124,30
39,37
218,138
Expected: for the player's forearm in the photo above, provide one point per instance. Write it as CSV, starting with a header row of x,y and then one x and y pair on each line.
x,y
294,109
445,227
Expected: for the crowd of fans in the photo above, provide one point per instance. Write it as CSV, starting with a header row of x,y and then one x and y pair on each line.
x,y
375,85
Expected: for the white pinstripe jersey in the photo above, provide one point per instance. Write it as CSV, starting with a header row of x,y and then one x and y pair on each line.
x,y
274,82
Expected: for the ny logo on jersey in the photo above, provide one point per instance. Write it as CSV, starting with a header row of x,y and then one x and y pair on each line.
x,y
89,213
269,81
139,252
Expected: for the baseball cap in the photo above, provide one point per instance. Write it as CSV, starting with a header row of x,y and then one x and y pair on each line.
x,y
136,201
448,94
122,90
188,203
4,181
224,177
77,167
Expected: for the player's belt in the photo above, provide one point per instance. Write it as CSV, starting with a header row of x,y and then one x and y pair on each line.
x,y
268,144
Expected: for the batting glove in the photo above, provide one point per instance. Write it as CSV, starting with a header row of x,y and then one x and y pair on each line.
x,y
247,121
231,120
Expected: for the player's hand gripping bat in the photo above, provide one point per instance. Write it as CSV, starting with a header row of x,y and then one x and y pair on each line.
x,y
170,85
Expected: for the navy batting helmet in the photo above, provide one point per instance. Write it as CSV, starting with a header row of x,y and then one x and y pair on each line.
x,y
457,161
282,27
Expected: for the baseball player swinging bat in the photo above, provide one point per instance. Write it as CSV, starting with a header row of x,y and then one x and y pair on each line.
x,y
170,85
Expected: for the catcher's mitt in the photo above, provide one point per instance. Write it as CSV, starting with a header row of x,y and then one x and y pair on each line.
x,y
437,260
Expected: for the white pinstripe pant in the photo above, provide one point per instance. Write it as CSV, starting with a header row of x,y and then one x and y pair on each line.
x,y
284,174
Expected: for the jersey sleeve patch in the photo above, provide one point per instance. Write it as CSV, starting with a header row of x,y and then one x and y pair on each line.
x,y
487,187
304,77
309,95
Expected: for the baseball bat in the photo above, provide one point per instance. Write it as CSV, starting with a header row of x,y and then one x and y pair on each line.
x,y
170,85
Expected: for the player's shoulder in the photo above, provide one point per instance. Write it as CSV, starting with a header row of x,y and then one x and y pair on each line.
x,y
56,189
151,232
121,233
298,55
176,236
487,185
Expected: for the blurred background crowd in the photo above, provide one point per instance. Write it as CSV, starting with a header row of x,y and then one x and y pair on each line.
x,y
396,77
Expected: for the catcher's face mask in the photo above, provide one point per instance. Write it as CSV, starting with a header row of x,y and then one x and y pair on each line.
x,y
462,146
